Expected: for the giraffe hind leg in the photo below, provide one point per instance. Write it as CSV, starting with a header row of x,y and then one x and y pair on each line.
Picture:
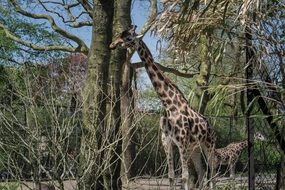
x,y
210,158
197,161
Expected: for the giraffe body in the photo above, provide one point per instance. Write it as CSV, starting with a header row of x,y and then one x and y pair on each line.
x,y
180,125
230,154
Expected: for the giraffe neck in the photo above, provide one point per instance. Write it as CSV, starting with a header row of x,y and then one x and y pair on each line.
x,y
242,145
166,90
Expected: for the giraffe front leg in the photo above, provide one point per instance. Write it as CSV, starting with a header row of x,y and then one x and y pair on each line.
x,y
184,165
167,145
213,176
212,166
232,170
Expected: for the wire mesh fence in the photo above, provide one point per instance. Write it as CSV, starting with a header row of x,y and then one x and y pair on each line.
x,y
151,164
42,138
149,167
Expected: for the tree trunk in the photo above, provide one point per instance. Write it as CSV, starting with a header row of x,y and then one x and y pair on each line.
x,y
95,95
202,82
123,77
265,109
250,60
273,125
255,93
127,126
280,178
114,108
273,91
282,173
204,74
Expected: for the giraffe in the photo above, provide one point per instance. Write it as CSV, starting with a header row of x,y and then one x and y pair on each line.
x,y
229,155
187,129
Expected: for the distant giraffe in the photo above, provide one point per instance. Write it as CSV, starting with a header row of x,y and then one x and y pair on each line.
x,y
187,129
229,155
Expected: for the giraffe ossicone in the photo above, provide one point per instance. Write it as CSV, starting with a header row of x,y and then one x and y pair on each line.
x,y
180,125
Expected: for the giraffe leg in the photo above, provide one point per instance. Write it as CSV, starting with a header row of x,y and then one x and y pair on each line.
x,y
196,158
167,145
184,165
214,173
232,170
212,166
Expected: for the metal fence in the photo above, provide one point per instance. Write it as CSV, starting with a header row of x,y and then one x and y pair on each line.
x,y
267,155
150,159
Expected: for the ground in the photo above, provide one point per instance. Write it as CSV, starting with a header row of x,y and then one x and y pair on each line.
x,y
151,183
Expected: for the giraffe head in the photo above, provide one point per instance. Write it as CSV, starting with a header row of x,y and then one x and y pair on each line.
x,y
259,136
127,39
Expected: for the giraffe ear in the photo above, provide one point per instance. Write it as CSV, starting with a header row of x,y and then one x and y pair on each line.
x,y
139,36
132,29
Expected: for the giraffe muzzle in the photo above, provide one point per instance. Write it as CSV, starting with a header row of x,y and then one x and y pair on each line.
x,y
112,46
115,43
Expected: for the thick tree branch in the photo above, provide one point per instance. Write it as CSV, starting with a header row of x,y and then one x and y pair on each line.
x,y
81,45
13,37
165,69
80,24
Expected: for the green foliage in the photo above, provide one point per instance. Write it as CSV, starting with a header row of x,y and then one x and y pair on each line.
x,y
35,32
9,186
7,43
231,186
32,31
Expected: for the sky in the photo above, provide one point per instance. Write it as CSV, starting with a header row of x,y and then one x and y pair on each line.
x,y
139,14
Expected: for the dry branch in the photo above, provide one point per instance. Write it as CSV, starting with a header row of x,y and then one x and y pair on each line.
x,y
13,37
165,69
81,45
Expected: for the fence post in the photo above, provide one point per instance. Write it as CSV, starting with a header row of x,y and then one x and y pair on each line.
x,y
251,172
250,58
